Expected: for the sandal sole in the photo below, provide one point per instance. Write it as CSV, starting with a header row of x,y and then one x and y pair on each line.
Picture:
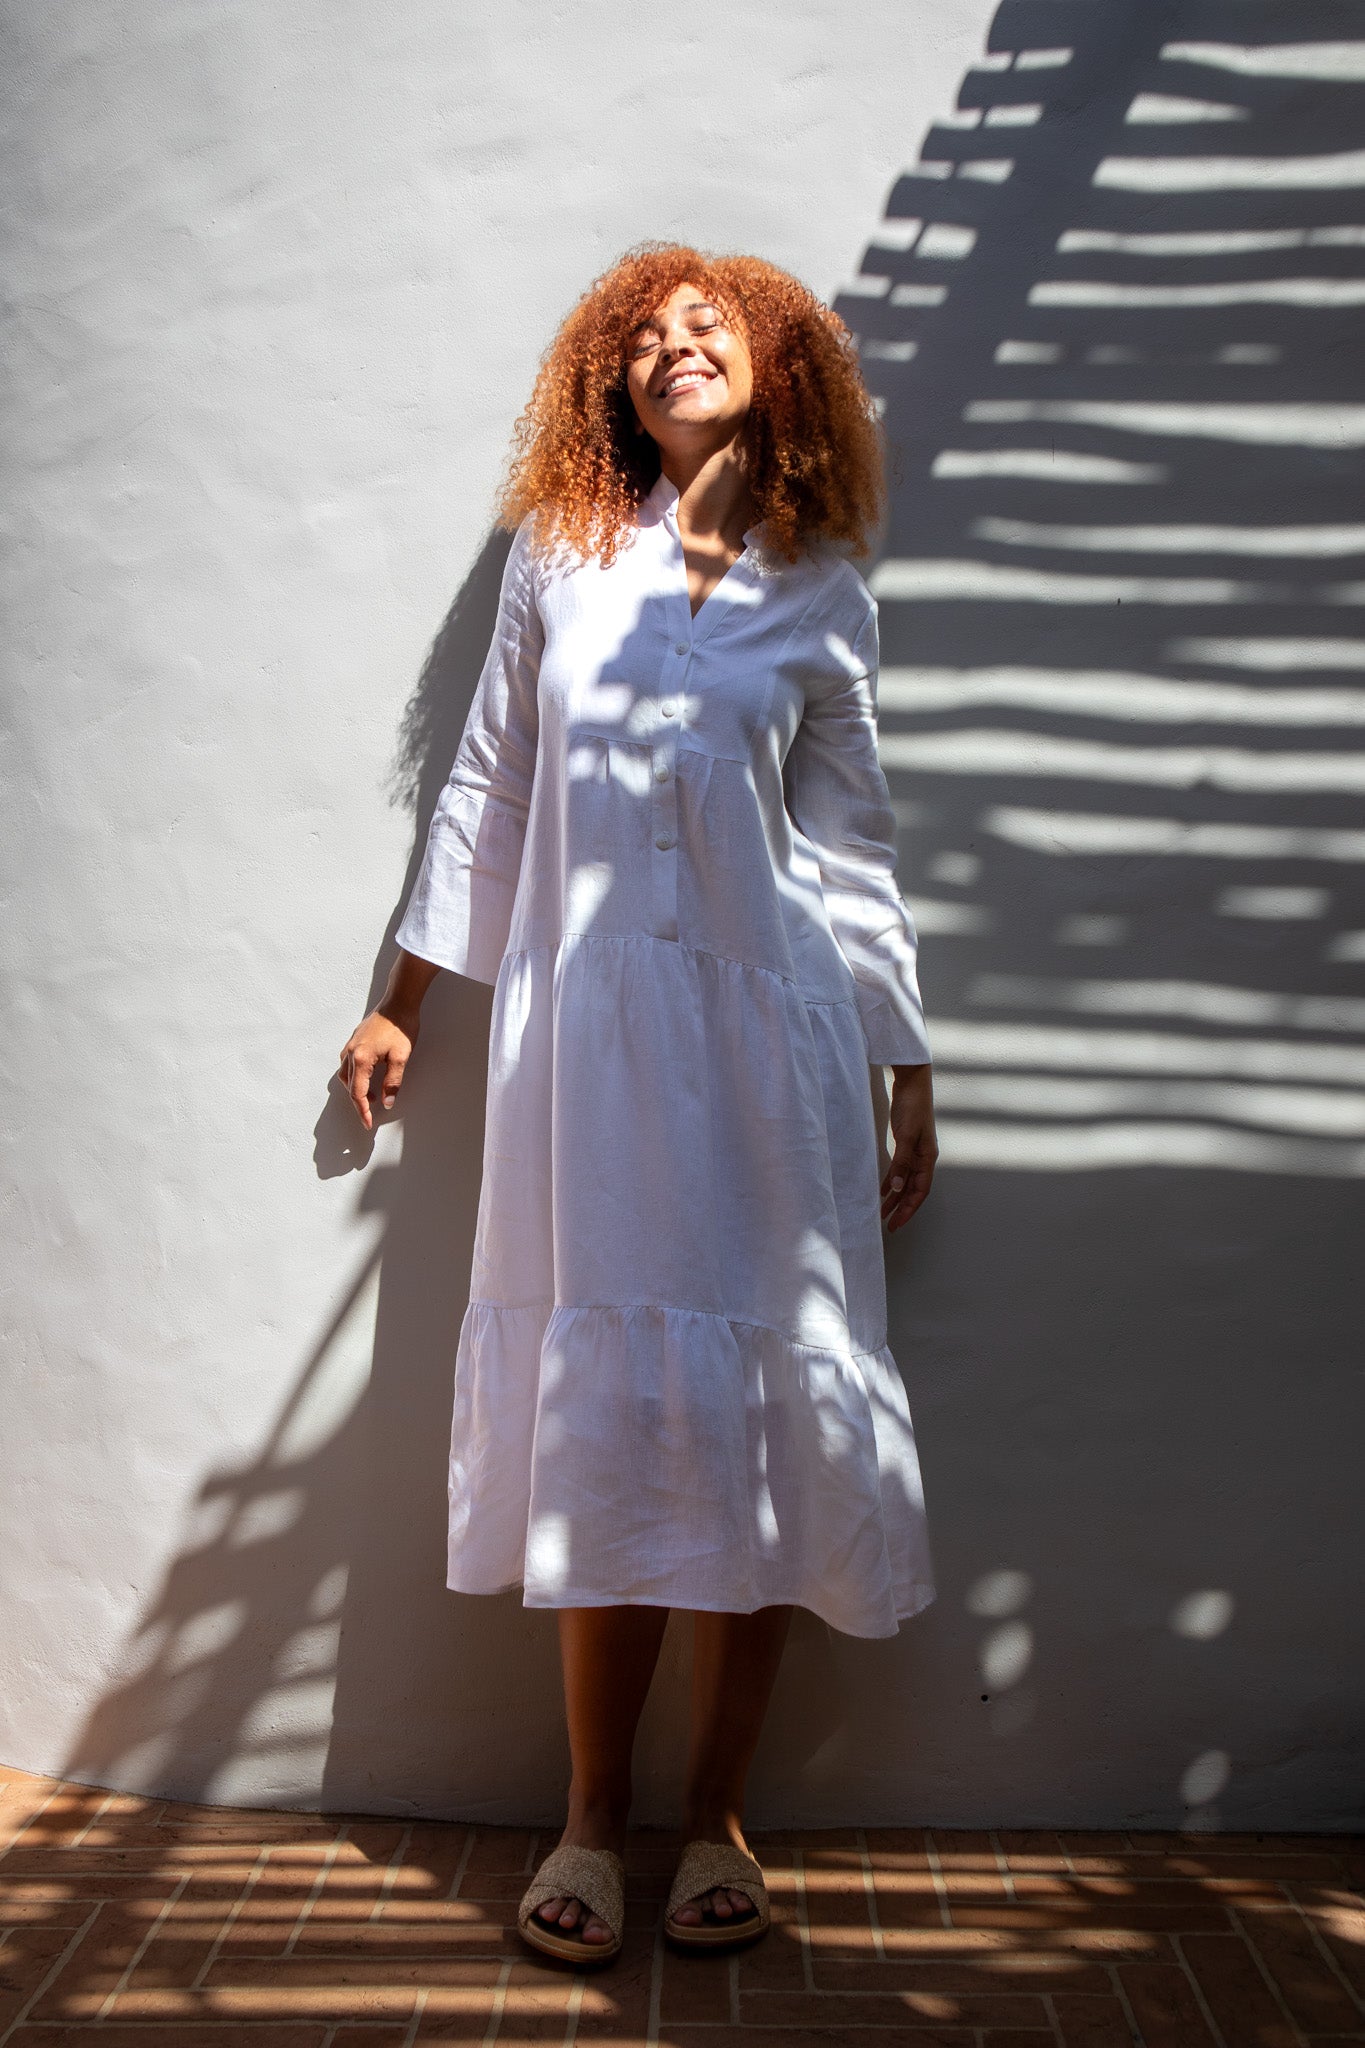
x,y
702,1936
564,1949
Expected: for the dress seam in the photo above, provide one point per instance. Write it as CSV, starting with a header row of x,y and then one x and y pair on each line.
x,y
680,1308
704,952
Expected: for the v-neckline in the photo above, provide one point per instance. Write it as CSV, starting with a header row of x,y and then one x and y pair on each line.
x,y
726,572
663,497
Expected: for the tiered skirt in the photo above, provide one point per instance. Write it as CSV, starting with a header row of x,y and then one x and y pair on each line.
x,y
673,1385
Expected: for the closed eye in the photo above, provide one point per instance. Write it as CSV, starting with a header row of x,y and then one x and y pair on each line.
x,y
647,347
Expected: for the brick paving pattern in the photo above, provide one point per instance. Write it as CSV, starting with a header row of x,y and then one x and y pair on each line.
x,y
136,1923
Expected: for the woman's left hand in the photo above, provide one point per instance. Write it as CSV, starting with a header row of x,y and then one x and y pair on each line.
x,y
910,1175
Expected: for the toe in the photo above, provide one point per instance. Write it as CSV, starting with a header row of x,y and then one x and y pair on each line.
x,y
567,1913
722,1907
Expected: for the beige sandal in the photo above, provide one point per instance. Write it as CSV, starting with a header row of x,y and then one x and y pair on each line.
x,y
597,1877
702,1867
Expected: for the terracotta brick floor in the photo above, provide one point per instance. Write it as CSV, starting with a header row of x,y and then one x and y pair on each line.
x,y
132,1922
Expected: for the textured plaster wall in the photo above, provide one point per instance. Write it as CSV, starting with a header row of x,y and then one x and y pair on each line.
x,y
278,280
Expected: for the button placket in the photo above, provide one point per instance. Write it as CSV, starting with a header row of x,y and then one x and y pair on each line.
x,y
664,793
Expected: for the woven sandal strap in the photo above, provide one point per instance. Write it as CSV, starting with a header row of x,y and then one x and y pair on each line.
x,y
704,1865
596,1876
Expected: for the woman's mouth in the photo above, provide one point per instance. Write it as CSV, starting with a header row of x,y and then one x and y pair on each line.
x,y
686,380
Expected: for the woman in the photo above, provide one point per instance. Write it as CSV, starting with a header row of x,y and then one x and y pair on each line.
x,y
667,842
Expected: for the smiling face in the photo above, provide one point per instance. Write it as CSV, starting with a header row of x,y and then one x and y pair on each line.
x,y
689,374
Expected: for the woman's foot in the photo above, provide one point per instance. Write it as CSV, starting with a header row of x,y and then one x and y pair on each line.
x,y
724,1902
588,1830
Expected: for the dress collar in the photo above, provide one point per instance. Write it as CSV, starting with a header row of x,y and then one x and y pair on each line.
x,y
663,502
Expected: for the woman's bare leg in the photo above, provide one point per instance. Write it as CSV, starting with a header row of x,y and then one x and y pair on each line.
x,y
608,1656
734,1663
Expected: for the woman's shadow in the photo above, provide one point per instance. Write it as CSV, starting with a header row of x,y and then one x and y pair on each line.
x,y
425,1682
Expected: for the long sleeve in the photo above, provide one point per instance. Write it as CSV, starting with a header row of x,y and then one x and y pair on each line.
x,y
460,910
837,797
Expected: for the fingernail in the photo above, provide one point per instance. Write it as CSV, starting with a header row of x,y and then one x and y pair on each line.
x,y
896,1186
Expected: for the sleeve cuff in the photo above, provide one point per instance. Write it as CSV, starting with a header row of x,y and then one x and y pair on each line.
x,y
895,1036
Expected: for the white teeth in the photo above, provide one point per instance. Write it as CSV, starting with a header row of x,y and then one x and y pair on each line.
x,y
681,383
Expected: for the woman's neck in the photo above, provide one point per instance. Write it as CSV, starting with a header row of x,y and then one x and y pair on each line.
x,y
713,494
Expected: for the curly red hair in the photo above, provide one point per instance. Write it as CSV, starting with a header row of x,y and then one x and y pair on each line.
x,y
811,443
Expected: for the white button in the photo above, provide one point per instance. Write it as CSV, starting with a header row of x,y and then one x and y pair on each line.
x,y
661,775
681,647
667,709
663,843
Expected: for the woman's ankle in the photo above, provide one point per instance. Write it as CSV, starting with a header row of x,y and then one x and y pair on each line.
x,y
596,1820
709,1818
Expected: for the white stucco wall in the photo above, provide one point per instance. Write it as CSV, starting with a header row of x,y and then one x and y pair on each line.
x,y
279,280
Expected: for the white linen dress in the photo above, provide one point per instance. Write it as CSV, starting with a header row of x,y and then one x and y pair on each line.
x,y
667,842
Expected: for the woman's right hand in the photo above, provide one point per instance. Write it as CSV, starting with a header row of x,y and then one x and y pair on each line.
x,y
384,1041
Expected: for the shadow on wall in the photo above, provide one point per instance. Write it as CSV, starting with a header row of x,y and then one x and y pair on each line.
x,y
1121,698
1113,318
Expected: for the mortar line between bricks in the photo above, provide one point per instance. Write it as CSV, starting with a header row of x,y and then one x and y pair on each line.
x,y
390,1877
315,1893
870,1888
100,1810
230,1920
574,2008
1130,2017
1271,1986
1002,1864
495,2011
140,1951
733,1974
1209,2021
803,1919
1050,2008
58,1966
329,2038
1315,1934
940,1887
463,1864
837,1993
415,2022
654,2021
35,1816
